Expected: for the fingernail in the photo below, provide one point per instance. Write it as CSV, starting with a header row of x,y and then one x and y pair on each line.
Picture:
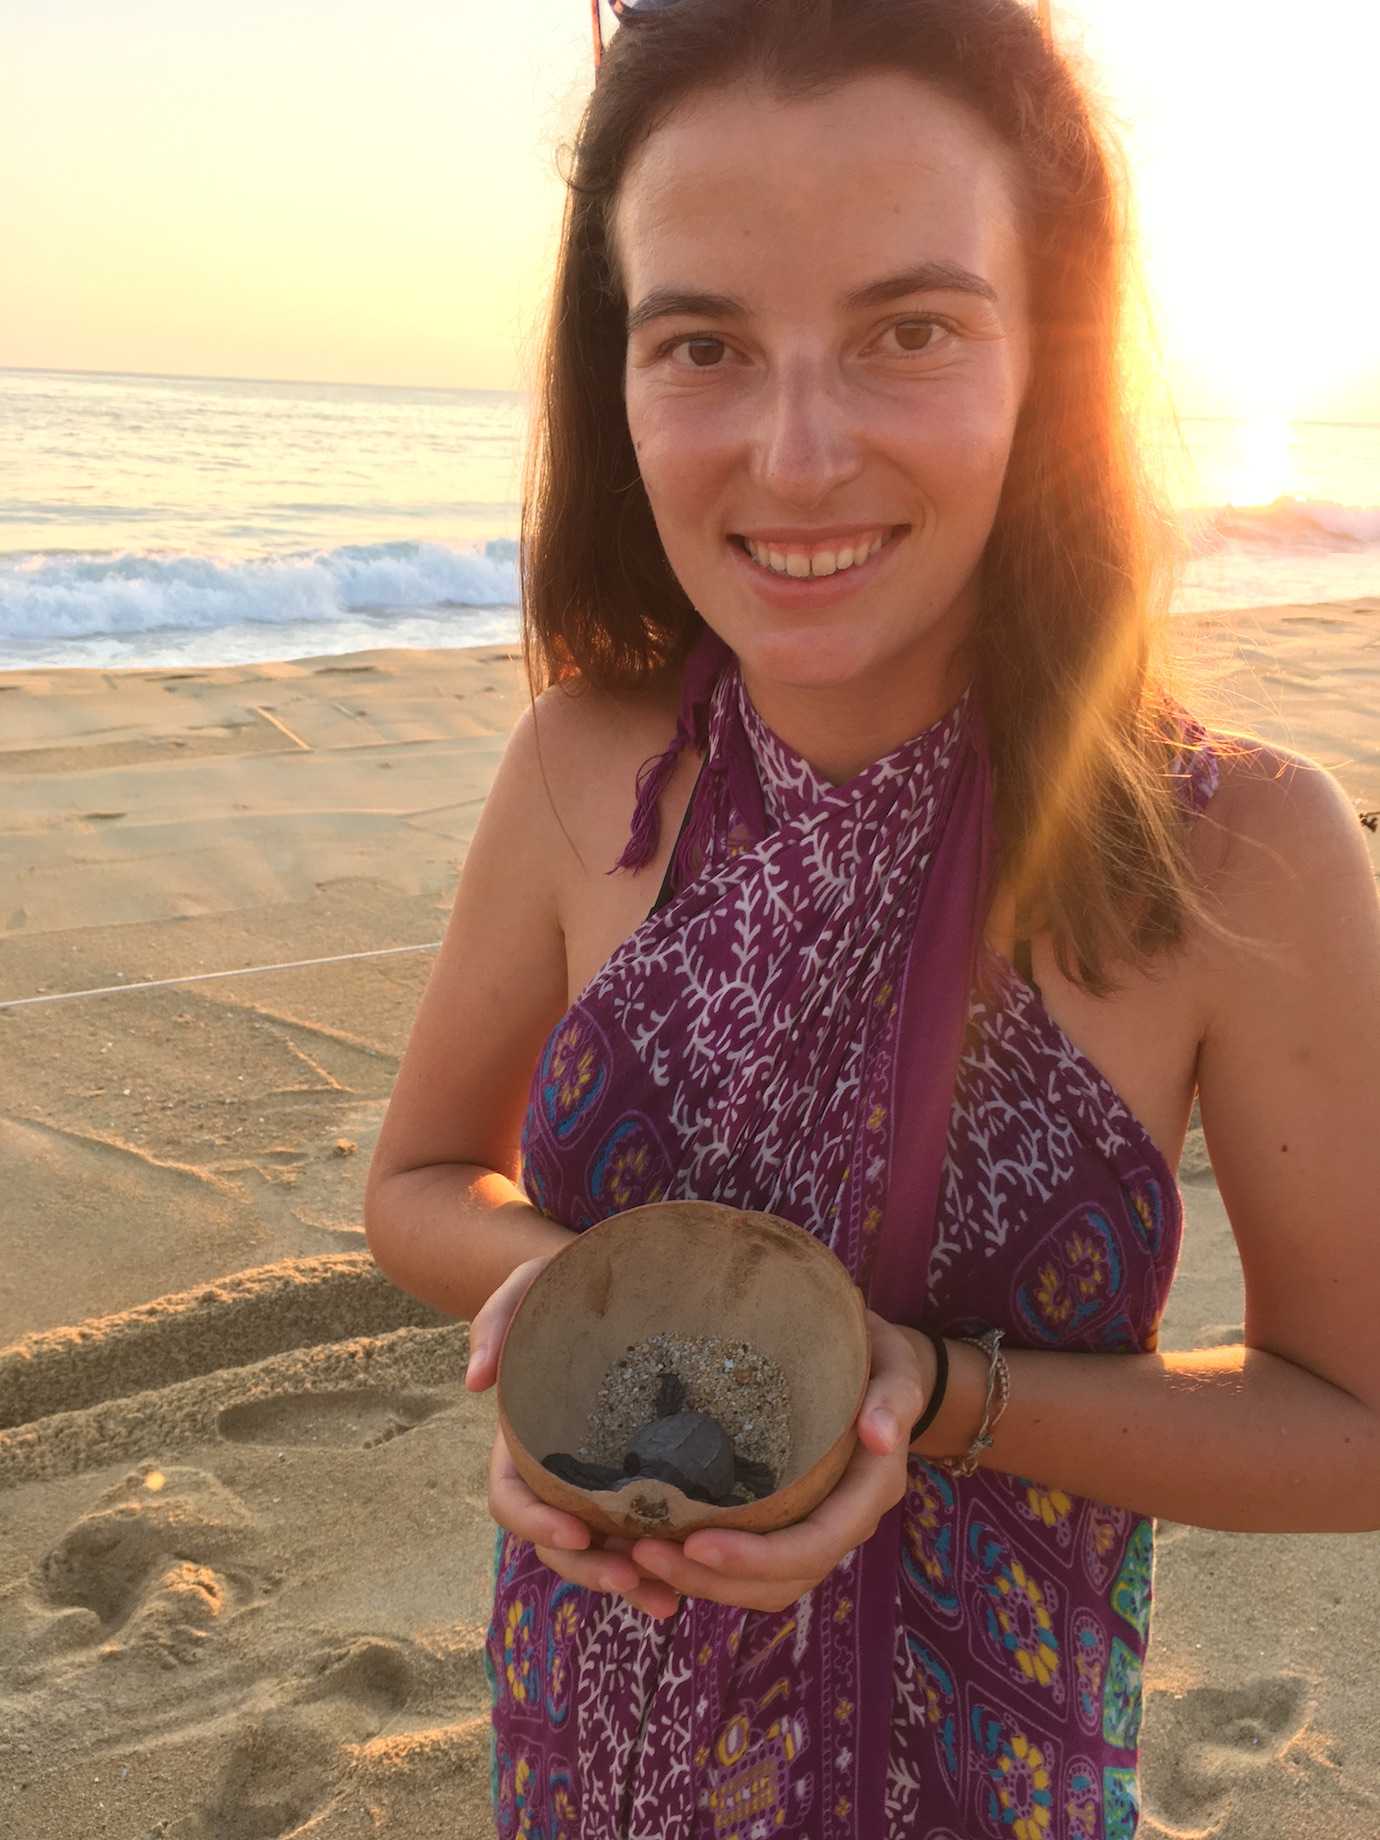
x,y
477,1358
884,1423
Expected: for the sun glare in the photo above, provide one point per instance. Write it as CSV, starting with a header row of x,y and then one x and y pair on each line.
x,y
1261,468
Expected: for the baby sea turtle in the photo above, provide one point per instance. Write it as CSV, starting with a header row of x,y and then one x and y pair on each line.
x,y
689,1450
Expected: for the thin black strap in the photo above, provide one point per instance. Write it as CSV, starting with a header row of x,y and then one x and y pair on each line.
x,y
937,1391
665,892
1020,958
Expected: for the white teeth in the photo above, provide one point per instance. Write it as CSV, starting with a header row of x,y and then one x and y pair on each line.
x,y
800,563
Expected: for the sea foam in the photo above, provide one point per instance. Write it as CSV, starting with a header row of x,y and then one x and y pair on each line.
x,y
52,595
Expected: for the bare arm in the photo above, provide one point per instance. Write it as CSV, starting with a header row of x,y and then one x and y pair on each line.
x,y
1283,1433
443,1216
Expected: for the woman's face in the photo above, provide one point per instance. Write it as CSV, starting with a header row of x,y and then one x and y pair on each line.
x,y
787,411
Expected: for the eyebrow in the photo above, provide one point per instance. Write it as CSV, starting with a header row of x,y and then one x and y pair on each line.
x,y
924,278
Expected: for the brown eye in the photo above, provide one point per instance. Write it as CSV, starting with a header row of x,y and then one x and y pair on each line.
x,y
691,344
921,330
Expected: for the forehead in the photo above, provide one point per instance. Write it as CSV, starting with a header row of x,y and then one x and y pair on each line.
x,y
737,180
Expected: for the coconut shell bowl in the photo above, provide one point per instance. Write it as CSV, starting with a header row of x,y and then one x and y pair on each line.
x,y
685,1269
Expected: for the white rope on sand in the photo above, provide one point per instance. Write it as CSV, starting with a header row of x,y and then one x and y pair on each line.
x,y
200,977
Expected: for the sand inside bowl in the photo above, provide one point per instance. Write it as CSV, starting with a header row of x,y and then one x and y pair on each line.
x,y
732,1381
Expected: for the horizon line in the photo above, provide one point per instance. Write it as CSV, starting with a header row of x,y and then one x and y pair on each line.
x,y
480,389
328,383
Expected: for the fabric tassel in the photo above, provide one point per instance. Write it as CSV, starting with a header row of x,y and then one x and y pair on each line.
x,y
703,663
645,834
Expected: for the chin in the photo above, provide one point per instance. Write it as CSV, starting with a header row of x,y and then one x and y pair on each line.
x,y
808,658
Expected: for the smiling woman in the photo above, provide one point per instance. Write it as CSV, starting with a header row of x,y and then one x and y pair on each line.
x,y
833,487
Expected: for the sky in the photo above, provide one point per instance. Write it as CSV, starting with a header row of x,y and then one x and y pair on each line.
x,y
367,193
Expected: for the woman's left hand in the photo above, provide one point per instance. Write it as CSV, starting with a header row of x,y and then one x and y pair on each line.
x,y
770,1571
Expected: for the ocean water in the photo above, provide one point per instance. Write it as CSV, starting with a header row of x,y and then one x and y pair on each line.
x,y
191,520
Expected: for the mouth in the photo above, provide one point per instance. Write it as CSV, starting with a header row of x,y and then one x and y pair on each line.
x,y
792,586
799,562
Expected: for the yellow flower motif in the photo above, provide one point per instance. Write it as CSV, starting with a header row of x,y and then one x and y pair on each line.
x,y
1030,1760
567,1620
872,1219
1047,1505
701,1756
705,1656
924,1510
572,1082
883,996
843,1807
1084,1251
1055,1305
843,1710
517,1685
876,1118
844,1610
1141,1204
1039,1662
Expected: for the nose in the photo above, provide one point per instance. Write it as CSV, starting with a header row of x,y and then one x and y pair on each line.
x,y
807,440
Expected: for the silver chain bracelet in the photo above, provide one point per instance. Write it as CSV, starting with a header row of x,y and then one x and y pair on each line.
x,y
998,1387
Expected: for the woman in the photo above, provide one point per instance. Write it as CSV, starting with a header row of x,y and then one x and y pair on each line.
x,y
957,913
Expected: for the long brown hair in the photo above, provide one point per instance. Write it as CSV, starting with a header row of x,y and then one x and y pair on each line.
x,y
1076,573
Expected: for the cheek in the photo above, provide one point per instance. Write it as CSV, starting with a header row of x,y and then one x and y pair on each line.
x,y
679,457
964,442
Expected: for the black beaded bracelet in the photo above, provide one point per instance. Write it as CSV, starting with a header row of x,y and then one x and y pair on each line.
x,y
941,1381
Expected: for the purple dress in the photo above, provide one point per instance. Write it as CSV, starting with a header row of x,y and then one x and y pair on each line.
x,y
974,1669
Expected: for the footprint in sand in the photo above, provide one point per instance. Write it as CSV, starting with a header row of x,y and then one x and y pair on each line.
x,y
148,1570
375,1671
359,1418
1214,1739
287,1765
282,1770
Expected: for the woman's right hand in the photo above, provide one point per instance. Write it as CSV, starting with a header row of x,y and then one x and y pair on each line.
x,y
563,1542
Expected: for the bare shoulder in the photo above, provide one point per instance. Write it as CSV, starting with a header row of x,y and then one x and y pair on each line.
x,y
499,983
585,748
1277,818
1285,861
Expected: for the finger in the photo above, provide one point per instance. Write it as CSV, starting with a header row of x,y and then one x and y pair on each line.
x,y
596,1571
655,1599
514,1506
846,1517
651,1594
670,1563
647,1594
898,1386
490,1323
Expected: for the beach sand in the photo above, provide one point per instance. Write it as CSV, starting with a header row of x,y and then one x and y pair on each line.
x,y
244,1547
